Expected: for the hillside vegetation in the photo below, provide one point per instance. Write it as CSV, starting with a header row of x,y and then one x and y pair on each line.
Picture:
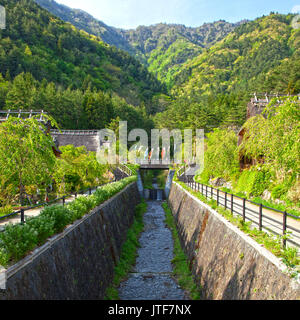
x,y
162,47
51,50
213,88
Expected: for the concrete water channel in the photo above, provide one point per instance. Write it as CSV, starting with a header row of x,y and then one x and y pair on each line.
x,y
151,277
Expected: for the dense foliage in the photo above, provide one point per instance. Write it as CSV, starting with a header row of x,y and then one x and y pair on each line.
x,y
164,48
213,88
77,169
221,155
249,58
28,166
275,137
35,41
26,158
272,142
74,109
19,239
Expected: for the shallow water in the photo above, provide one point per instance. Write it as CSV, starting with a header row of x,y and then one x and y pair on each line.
x,y
151,277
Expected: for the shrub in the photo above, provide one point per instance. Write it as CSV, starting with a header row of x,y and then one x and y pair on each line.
x,y
254,182
221,155
19,239
60,215
5,210
44,226
278,191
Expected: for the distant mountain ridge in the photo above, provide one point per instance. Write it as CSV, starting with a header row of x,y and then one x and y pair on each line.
x,y
161,47
83,20
37,42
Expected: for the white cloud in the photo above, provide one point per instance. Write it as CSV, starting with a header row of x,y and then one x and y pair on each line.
x,y
296,9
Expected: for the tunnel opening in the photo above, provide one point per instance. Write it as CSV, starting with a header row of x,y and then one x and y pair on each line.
x,y
154,183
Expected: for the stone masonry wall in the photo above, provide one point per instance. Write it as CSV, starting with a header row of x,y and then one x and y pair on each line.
x,y
78,263
227,263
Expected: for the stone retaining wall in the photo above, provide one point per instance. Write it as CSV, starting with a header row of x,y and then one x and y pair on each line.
x,y
227,263
79,262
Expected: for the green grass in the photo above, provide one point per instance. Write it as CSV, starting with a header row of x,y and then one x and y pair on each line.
x,y
181,269
128,252
289,256
287,206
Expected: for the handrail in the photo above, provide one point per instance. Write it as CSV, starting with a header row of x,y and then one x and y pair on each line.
x,y
83,191
229,203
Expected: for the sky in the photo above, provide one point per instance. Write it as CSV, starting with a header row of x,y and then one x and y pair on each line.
x,y
129,14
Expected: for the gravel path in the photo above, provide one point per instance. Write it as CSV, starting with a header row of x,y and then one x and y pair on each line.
x,y
151,278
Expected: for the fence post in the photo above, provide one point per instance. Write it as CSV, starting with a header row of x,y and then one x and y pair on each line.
x,y
284,229
244,209
90,191
217,197
202,188
260,216
231,203
22,216
211,192
75,195
64,200
225,200
206,191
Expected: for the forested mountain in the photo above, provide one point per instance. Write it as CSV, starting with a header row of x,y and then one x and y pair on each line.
x,y
166,47
163,48
261,55
210,71
36,41
214,87
84,21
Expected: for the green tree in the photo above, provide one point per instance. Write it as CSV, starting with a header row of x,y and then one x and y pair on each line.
x,y
221,157
77,169
26,152
275,137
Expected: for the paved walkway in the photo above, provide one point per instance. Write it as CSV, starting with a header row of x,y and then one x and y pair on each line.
x,y
151,278
33,212
272,221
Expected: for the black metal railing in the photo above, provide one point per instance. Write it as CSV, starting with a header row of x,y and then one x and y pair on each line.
x,y
87,191
253,212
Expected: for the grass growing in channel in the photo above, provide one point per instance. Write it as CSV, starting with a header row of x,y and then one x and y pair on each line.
x,y
128,252
288,255
181,269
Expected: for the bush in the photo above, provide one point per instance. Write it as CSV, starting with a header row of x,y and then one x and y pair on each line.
x,y
221,155
278,191
16,240
5,210
19,239
254,183
60,215
44,226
